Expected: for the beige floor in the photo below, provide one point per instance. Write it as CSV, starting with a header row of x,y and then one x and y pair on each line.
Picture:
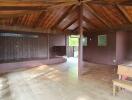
x,y
60,82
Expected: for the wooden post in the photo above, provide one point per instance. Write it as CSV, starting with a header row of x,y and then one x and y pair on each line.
x,y
48,46
66,41
80,53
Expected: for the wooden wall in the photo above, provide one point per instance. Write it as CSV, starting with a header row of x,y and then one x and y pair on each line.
x,y
16,48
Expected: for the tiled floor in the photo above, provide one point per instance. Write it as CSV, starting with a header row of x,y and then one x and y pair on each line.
x,y
60,82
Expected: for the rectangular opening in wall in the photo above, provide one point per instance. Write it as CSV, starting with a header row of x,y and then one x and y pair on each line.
x,y
85,41
73,40
102,40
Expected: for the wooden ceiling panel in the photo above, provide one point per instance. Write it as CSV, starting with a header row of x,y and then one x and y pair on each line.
x,y
64,14
87,26
110,14
127,11
73,26
114,16
52,17
68,19
92,18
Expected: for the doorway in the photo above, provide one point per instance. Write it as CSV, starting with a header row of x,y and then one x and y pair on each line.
x,y
73,43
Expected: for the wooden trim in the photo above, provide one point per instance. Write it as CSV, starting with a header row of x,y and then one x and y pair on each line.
x,y
33,30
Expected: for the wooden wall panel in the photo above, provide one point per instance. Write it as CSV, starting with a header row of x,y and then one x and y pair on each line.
x,y
16,48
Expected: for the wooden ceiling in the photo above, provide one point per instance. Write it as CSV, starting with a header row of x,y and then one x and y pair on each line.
x,y
63,15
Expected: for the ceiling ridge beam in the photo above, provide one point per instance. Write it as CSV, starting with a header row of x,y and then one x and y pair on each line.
x,y
67,12
92,11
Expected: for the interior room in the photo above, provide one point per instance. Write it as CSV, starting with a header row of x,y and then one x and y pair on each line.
x,y
65,50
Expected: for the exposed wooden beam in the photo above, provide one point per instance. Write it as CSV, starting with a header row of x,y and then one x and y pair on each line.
x,y
88,22
92,11
38,20
109,2
12,14
33,30
68,25
33,5
76,29
70,10
124,13
127,27
86,29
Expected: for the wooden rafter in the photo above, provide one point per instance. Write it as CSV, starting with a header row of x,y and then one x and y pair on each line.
x,y
72,22
88,22
124,13
38,20
109,2
70,10
33,5
86,29
114,29
76,29
91,10
13,14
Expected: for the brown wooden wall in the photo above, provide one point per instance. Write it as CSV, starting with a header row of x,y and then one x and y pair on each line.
x,y
15,48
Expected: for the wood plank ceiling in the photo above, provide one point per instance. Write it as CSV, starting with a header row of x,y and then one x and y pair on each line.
x,y
63,15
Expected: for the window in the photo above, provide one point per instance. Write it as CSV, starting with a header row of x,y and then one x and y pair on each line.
x,y
73,41
85,41
102,40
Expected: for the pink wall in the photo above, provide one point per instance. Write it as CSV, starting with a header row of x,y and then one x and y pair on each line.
x,y
104,55
121,46
117,51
